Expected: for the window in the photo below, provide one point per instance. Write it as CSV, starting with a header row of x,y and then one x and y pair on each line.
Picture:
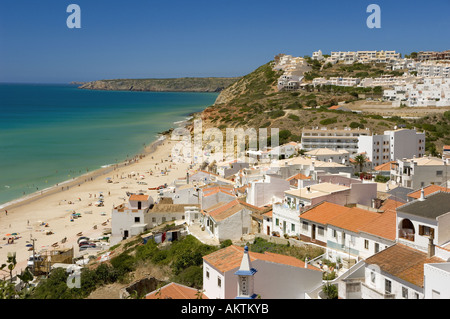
x,y
304,225
137,219
405,292
425,230
153,219
387,286
219,282
372,277
435,294
277,222
439,173
334,233
164,219
320,230
366,244
416,295
207,274
292,227
377,247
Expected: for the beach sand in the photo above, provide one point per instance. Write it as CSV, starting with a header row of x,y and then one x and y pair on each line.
x,y
55,206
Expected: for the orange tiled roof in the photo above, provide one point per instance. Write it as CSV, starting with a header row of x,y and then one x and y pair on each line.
x,y
298,176
139,197
324,212
268,214
430,189
384,167
403,262
174,291
354,219
384,226
222,210
390,205
229,258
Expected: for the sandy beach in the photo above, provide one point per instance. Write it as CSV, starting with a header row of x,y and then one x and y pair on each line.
x,y
55,206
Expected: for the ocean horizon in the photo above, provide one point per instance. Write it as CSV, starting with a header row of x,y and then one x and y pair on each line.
x,y
51,133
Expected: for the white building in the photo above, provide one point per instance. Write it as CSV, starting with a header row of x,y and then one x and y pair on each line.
x,y
358,231
328,155
418,172
287,214
274,276
266,191
338,81
227,220
392,145
342,139
130,218
431,91
317,55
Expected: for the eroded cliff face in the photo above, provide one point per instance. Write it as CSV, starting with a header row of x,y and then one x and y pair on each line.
x,y
162,85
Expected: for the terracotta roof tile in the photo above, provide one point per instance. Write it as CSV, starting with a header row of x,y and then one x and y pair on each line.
x,y
430,189
139,197
403,262
174,291
324,212
384,167
384,226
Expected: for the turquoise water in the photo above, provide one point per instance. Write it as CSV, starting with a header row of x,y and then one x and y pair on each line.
x,y
52,133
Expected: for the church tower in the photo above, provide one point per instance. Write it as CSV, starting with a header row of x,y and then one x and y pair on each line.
x,y
245,278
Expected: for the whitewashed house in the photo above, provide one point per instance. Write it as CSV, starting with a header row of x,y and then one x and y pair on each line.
x,y
269,189
129,219
418,172
271,276
227,220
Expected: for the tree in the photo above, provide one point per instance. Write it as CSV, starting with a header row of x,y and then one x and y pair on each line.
x,y
360,160
11,263
330,291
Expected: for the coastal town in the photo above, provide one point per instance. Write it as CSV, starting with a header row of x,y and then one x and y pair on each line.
x,y
371,210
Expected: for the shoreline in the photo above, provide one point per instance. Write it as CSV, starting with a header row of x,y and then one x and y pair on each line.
x,y
79,180
28,215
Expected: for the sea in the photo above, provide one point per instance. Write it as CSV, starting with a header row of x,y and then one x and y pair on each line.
x,y
52,133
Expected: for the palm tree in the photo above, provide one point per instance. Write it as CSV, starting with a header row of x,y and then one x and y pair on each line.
x,y
360,160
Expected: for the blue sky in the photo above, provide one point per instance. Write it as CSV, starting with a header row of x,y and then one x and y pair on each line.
x,y
160,39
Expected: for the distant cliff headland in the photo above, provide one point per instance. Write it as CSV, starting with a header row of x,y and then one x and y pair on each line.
x,y
162,85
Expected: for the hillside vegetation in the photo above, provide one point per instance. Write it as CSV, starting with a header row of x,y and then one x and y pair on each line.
x,y
254,102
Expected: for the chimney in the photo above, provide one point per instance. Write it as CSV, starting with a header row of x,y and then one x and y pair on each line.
x,y
431,247
422,195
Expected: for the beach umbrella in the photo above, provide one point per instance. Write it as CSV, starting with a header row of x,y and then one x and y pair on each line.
x,y
14,234
29,245
8,235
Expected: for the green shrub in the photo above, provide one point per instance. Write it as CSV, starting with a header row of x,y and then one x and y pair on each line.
x,y
328,121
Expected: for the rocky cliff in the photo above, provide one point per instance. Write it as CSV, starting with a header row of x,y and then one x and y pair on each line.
x,y
162,85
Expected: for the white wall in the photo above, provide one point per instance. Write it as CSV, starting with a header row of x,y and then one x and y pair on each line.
x,y
396,285
234,226
261,193
271,281
437,279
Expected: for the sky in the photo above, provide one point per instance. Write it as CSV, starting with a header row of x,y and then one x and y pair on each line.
x,y
190,38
